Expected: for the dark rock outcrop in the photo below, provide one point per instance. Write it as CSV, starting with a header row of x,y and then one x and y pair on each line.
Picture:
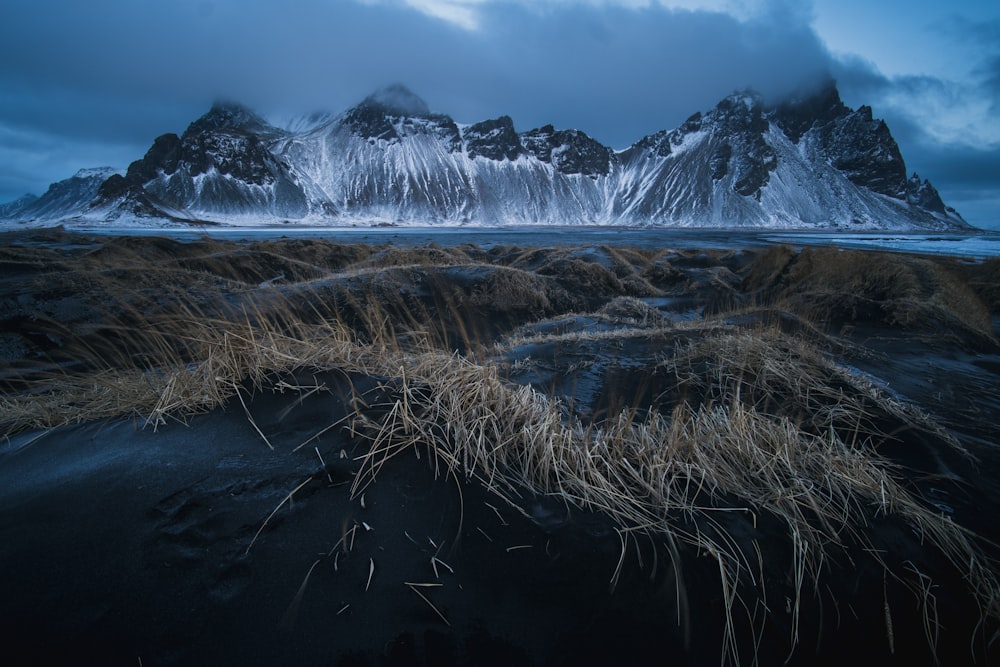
x,y
394,112
856,143
801,113
569,151
923,194
493,139
863,149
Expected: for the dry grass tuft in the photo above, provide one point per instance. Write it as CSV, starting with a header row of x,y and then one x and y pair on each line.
x,y
430,255
630,310
512,290
768,267
583,277
784,375
670,477
828,284
760,424
983,278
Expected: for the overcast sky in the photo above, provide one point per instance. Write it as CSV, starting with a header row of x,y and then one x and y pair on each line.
x,y
86,84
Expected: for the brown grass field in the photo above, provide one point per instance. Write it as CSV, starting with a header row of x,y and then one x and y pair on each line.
x,y
773,456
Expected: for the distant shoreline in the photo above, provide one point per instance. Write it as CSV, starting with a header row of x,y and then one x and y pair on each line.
x,y
979,244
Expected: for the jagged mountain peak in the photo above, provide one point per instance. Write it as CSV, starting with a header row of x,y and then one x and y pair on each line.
x,y
398,100
63,198
226,115
569,151
393,112
96,172
921,193
495,139
808,161
817,106
743,111
748,98
662,143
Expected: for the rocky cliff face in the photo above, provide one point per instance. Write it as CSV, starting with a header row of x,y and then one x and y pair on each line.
x,y
493,140
221,164
924,195
807,162
861,147
569,151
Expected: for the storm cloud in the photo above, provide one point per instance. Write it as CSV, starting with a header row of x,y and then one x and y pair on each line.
x,y
93,83
610,70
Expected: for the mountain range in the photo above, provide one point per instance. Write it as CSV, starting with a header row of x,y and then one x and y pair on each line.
x,y
807,162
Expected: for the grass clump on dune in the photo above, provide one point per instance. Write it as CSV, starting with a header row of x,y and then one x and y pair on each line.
x,y
849,286
754,425
783,375
695,480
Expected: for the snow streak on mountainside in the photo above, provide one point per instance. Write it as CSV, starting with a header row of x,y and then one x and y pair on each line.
x,y
13,208
394,164
220,167
63,199
809,162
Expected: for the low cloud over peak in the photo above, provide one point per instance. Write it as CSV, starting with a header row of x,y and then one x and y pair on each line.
x,y
616,69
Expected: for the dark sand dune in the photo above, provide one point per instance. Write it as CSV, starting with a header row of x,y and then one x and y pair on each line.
x,y
129,544
292,510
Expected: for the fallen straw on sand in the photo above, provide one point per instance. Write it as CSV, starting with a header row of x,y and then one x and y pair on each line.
x,y
753,418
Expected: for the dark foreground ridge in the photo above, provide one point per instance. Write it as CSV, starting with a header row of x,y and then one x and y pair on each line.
x,y
300,452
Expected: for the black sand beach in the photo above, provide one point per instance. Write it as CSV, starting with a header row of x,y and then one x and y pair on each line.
x,y
301,452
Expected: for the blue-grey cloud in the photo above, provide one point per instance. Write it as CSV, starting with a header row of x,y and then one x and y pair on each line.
x,y
943,126
84,84
982,38
125,71
968,180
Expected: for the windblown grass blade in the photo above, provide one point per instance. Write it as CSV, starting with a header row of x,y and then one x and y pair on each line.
x,y
755,419
416,589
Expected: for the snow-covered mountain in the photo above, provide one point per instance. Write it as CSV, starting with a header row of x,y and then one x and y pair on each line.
x,y
63,199
12,208
810,162
221,167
